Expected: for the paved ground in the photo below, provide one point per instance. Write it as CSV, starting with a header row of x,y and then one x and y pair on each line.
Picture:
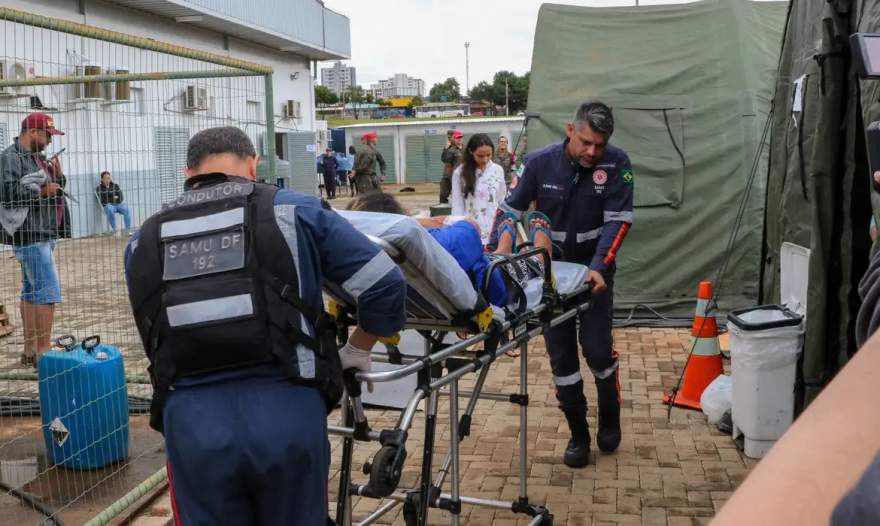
x,y
675,472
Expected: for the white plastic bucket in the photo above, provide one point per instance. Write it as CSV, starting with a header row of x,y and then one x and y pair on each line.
x,y
765,342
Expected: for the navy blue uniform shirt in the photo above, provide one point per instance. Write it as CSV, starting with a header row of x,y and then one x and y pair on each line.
x,y
590,209
326,247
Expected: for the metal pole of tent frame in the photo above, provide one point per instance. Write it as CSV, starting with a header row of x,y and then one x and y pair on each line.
x,y
453,450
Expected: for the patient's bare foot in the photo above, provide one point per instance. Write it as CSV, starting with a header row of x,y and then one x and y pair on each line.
x,y
506,235
539,232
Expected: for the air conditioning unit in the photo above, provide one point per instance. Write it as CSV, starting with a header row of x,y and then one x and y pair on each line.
x,y
195,98
292,109
93,90
122,89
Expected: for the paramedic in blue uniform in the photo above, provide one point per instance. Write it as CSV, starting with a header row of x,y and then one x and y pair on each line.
x,y
225,287
585,186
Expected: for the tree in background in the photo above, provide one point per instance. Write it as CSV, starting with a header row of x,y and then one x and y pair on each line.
x,y
324,95
368,98
446,91
484,91
355,94
517,90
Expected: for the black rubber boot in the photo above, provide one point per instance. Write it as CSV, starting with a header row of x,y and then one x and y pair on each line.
x,y
577,454
608,437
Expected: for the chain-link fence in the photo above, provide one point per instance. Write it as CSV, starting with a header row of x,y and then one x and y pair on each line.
x,y
74,434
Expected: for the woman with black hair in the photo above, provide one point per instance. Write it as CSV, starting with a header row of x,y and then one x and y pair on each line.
x,y
478,185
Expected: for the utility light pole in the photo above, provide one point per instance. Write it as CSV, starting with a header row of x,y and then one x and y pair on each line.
x,y
467,69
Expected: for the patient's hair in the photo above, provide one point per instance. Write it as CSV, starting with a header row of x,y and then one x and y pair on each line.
x,y
376,202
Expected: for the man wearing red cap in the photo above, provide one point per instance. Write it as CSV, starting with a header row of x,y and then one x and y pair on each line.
x,y
33,216
452,156
365,161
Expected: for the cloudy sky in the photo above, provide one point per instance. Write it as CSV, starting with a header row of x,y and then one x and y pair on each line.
x,y
425,38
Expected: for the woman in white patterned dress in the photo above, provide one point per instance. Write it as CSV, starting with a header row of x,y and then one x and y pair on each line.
x,y
478,185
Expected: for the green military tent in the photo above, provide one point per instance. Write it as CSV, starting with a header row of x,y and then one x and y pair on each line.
x,y
690,86
694,83
818,187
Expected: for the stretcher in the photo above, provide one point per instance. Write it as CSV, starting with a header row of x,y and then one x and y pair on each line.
x,y
441,299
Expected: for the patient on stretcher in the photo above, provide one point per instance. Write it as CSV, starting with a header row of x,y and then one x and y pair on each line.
x,y
461,239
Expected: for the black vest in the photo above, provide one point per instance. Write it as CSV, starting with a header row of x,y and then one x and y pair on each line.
x,y
213,286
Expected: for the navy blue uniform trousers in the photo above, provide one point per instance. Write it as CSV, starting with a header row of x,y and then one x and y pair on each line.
x,y
249,451
592,328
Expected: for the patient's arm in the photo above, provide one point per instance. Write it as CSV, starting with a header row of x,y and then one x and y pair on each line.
x,y
432,222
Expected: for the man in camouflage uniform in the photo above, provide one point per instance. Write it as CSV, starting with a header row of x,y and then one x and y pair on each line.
x,y
365,161
505,159
451,157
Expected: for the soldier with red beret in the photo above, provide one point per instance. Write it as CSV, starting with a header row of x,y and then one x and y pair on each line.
x,y
366,157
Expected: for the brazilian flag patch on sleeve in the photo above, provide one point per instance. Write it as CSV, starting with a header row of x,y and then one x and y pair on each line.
x,y
627,176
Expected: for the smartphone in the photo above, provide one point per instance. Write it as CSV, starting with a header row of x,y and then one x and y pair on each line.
x,y
56,154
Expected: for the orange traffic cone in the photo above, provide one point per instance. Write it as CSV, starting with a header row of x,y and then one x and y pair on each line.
x,y
704,364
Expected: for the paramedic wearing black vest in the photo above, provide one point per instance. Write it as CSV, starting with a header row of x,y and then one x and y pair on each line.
x,y
225,286
585,186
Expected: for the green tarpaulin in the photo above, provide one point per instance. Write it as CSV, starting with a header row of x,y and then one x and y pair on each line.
x,y
690,86
818,195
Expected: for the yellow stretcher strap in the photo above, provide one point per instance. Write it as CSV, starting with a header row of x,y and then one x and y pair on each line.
x,y
484,319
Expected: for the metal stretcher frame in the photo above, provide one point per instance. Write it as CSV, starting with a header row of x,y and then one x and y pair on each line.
x,y
386,467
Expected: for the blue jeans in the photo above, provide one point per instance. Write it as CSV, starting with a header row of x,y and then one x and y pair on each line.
x,y
120,208
40,284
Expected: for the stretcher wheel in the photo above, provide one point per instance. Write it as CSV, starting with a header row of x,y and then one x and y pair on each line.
x,y
385,471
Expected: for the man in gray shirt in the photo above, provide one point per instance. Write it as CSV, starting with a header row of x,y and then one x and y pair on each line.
x,y
33,215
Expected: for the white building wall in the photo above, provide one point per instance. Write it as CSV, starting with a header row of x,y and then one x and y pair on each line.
x,y
292,78
122,137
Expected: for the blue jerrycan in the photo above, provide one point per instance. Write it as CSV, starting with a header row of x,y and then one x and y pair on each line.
x,y
84,404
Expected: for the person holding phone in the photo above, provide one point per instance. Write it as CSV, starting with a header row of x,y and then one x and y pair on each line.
x,y
33,215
